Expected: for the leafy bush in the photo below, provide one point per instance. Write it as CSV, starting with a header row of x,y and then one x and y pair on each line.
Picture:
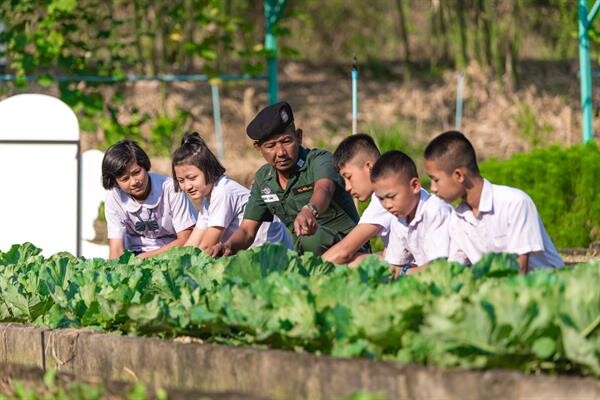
x,y
487,316
563,184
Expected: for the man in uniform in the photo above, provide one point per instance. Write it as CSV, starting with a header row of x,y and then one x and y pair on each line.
x,y
298,185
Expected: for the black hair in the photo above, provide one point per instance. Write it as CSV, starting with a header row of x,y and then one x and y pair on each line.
x,y
352,146
194,151
394,162
118,157
453,150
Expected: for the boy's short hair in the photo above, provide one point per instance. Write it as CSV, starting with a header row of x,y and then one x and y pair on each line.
x,y
352,146
453,150
118,157
194,151
394,162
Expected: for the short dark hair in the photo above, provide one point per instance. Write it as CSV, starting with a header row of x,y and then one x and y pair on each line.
x,y
453,150
194,151
118,157
352,146
394,162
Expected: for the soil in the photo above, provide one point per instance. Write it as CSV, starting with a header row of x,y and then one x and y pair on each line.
x,y
32,379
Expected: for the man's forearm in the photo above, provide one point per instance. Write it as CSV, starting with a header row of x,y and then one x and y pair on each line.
x,y
322,195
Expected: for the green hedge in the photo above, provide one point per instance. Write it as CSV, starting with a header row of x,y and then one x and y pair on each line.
x,y
563,183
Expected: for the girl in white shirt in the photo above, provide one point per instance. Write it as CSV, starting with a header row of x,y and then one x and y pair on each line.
x,y
201,176
144,213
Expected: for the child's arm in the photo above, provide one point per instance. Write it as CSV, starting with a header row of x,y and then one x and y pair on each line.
x,y
211,237
195,237
344,252
115,225
241,239
523,263
116,247
182,238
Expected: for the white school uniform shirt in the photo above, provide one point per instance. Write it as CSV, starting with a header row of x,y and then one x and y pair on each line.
x,y
225,209
153,223
377,215
425,238
508,222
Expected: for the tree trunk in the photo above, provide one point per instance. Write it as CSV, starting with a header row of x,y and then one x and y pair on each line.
x,y
403,29
138,34
190,24
515,42
476,34
487,31
462,25
435,32
444,33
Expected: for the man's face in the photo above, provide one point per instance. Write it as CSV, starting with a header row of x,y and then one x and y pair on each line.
x,y
396,195
447,186
357,178
281,150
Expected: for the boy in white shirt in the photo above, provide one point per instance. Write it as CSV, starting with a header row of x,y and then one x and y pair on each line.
x,y
419,233
354,158
490,218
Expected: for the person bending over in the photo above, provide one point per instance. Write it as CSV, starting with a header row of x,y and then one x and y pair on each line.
x,y
354,159
419,233
298,185
201,176
144,213
490,218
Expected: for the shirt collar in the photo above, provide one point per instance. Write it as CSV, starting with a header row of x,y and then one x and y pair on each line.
x,y
132,205
486,201
423,196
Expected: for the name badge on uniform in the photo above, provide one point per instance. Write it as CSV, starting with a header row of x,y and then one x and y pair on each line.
x,y
270,198
304,189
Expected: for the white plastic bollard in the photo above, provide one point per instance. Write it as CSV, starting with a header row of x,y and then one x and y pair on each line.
x,y
39,171
92,194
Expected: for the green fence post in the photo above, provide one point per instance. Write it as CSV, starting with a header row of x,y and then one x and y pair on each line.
x,y
585,71
273,10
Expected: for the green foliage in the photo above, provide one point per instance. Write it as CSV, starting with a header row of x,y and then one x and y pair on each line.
x,y
101,212
55,388
562,183
487,316
398,137
529,128
165,128
113,38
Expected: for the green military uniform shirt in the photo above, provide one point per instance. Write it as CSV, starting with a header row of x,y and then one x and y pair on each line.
x,y
267,199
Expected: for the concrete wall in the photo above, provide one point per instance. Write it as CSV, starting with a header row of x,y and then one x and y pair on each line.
x,y
189,365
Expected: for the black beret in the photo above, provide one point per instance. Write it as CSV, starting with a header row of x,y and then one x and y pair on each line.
x,y
271,120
